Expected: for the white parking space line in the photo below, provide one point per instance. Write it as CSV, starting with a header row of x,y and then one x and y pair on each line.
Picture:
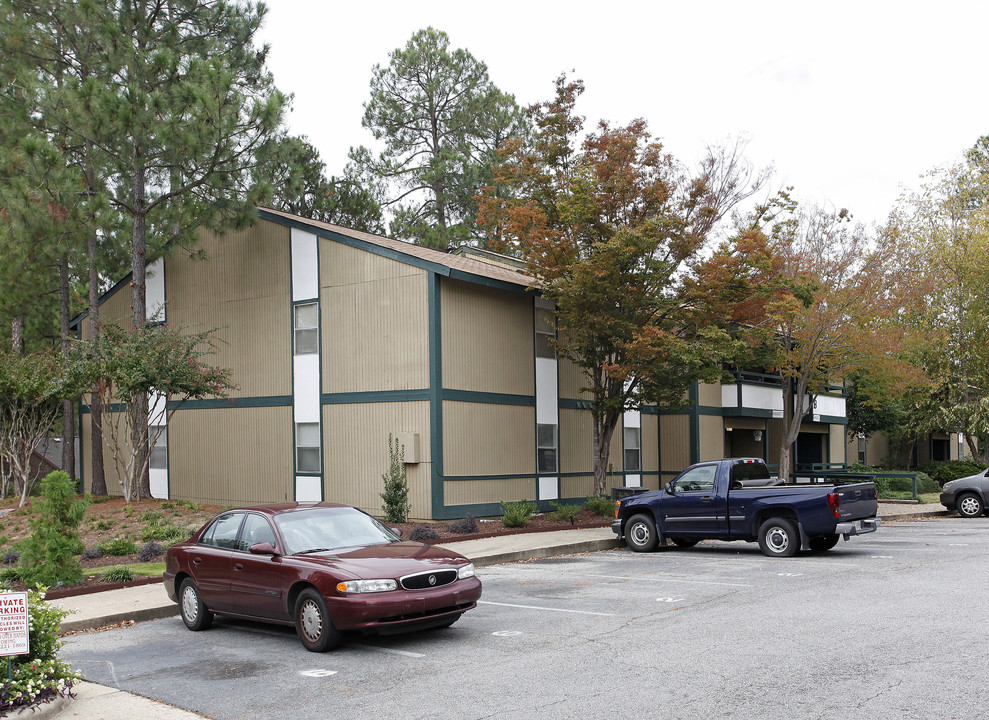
x,y
390,651
537,607
665,578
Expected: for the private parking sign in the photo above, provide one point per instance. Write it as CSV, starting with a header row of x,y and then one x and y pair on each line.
x,y
13,624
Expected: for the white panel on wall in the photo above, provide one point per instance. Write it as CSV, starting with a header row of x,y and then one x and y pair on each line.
x,y
159,483
633,481
305,378
155,291
547,404
549,488
308,489
632,419
305,266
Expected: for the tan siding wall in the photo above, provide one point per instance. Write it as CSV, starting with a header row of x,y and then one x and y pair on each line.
x,y
468,492
837,444
355,453
712,437
576,441
231,456
709,395
583,486
488,439
115,308
243,290
675,442
572,379
375,322
487,339
774,441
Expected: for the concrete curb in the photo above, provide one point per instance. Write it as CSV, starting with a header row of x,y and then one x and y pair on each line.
x,y
912,516
151,613
42,710
543,552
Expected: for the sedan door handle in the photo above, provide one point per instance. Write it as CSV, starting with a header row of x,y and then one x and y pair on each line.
x,y
707,498
238,566
196,561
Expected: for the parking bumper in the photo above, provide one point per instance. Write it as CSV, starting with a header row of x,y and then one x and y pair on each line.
x,y
858,527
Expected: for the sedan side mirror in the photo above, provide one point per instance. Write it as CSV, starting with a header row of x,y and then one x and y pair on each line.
x,y
263,548
397,531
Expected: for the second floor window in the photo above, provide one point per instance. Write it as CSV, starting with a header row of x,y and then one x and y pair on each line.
x,y
306,329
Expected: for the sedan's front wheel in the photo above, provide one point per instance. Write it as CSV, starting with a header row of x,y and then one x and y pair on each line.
x,y
970,506
313,624
194,612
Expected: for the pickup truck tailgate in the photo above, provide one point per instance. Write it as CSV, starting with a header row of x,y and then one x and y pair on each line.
x,y
857,501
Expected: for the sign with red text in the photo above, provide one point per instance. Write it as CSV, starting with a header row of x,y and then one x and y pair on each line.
x,y
13,624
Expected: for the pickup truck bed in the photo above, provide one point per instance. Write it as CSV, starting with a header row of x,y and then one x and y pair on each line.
x,y
736,499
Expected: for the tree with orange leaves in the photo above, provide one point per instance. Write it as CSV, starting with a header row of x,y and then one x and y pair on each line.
x,y
612,230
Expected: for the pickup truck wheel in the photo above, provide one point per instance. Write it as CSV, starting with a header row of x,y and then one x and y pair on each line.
x,y
822,543
684,542
640,533
970,505
778,538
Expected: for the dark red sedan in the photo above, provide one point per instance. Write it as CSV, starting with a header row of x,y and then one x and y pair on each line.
x,y
324,568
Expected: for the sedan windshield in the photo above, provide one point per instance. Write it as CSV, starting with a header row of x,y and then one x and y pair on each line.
x,y
328,529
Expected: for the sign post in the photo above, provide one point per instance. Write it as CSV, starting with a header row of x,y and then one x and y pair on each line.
x,y
14,627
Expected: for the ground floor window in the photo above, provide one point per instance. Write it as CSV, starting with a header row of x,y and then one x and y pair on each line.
x,y
158,434
633,450
307,447
546,448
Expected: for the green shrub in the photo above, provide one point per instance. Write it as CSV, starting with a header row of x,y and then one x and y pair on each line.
x,y
601,505
97,499
189,505
517,514
50,551
38,676
396,495
943,471
9,575
564,512
100,524
117,574
151,516
467,525
168,534
118,546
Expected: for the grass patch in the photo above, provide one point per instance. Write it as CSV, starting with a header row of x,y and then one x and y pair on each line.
x,y
138,569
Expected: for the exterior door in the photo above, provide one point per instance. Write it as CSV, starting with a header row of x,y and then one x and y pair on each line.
x,y
256,586
209,562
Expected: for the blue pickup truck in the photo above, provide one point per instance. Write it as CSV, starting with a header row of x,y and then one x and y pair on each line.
x,y
736,499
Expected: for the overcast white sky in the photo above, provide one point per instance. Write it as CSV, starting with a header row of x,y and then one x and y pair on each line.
x,y
850,101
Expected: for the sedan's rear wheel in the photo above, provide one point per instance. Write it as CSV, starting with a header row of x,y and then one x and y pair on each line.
x,y
970,505
194,612
640,533
313,624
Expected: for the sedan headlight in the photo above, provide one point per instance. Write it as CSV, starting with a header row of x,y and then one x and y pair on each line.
x,y
947,485
367,586
467,571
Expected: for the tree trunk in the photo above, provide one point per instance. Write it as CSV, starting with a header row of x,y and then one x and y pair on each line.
x,y
17,335
68,411
98,485
139,309
604,428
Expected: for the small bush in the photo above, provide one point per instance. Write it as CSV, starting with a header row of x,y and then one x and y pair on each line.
x,y
118,546
167,505
466,525
517,514
150,551
167,533
151,516
49,555
421,533
38,676
100,524
117,574
564,512
396,505
9,575
97,499
11,558
189,505
601,505
92,553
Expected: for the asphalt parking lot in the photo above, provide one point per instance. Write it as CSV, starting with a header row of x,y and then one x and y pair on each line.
x,y
889,625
